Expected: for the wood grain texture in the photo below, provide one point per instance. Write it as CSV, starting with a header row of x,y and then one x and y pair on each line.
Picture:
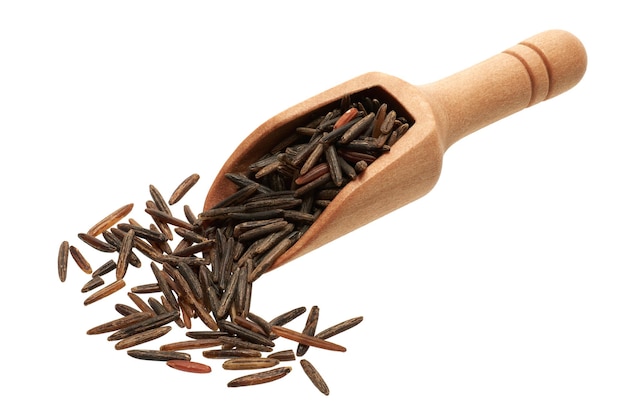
x,y
534,70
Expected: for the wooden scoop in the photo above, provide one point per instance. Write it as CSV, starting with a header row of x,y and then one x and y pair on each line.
x,y
534,70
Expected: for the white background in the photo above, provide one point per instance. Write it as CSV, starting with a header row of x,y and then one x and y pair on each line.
x,y
499,294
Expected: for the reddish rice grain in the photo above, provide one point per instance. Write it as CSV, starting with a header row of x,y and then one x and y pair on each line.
x,y
189,366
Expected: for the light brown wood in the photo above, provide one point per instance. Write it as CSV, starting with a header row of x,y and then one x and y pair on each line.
x,y
532,71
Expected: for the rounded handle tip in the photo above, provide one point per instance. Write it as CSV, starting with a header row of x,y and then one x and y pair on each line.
x,y
555,60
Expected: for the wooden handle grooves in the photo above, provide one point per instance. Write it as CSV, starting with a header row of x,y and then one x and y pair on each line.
x,y
564,57
537,69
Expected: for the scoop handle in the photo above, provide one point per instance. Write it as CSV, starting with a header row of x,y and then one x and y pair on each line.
x,y
537,69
